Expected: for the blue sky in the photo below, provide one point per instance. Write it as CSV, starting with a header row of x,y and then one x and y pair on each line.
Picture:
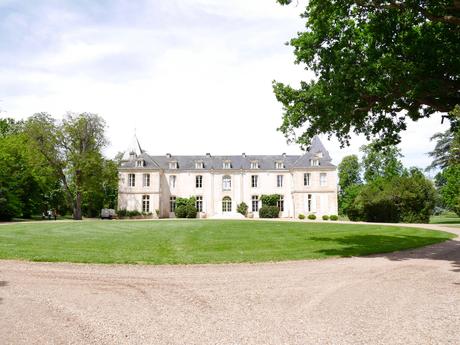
x,y
190,76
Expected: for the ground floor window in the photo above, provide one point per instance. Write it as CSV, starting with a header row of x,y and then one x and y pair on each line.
x,y
172,204
309,203
255,203
199,203
226,204
280,203
146,203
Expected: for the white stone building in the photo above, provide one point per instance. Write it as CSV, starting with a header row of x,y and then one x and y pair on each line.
x,y
306,183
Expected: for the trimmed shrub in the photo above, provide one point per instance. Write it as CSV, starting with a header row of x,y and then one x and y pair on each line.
x,y
181,211
122,212
191,211
311,217
325,217
134,213
334,217
242,208
269,212
270,200
301,216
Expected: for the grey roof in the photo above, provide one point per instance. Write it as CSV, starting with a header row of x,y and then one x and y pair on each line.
x,y
266,162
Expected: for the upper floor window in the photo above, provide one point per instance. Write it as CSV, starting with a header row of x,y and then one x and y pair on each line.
x,y
199,165
226,183
323,179
146,180
280,203
140,163
146,203
314,162
199,203
255,203
279,181
172,204
172,181
131,180
173,165
306,179
279,165
254,165
198,181
254,181
227,165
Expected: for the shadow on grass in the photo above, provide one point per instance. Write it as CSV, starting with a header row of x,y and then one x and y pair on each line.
x,y
2,284
395,248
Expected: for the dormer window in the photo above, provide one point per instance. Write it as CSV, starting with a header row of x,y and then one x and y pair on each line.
x,y
173,165
254,165
140,163
314,162
227,165
279,165
199,165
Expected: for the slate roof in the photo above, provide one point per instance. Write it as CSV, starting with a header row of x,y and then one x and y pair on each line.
x,y
266,162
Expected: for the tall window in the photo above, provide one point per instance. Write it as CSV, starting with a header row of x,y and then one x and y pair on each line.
x,y
255,203
309,203
280,203
226,183
314,162
255,165
172,204
279,165
323,179
199,165
279,181
146,180
226,204
227,165
173,165
172,181
199,203
306,179
131,180
198,181
146,203
254,181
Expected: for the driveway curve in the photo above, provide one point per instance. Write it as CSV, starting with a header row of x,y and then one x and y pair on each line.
x,y
409,297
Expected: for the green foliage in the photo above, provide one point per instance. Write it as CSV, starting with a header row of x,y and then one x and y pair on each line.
x,y
334,217
377,65
270,200
181,211
381,162
191,211
347,201
301,216
450,191
122,212
325,217
269,211
242,208
311,216
349,171
133,213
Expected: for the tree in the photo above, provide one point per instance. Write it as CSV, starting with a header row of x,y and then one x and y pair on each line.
x,y
72,149
381,162
378,63
450,190
349,171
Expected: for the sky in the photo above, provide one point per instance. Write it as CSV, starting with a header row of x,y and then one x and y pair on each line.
x,y
187,76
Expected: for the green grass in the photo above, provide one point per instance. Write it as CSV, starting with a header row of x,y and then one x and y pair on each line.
x,y
447,218
202,241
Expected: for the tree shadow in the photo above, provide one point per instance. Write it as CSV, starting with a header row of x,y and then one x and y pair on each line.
x,y
2,284
395,248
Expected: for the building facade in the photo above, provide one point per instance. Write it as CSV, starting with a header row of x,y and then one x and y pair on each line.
x,y
307,184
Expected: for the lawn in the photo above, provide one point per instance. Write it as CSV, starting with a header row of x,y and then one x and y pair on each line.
x,y
202,241
446,218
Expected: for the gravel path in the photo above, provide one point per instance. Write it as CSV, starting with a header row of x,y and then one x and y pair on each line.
x,y
410,297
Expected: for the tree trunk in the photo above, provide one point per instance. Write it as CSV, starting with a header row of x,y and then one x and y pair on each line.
x,y
77,205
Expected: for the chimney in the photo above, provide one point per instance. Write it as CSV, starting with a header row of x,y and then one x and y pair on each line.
x,y
244,155
132,155
208,155
168,155
284,154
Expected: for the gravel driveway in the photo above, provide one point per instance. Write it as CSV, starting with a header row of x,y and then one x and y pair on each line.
x,y
410,297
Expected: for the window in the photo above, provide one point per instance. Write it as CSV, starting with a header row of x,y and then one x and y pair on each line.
x,y
172,204
280,203
140,163
306,179
226,183
279,181
323,179
254,181
309,203
146,180
173,165
199,203
146,203
226,204
314,162
172,181
199,165
279,165
131,180
227,165
255,165
198,181
255,203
